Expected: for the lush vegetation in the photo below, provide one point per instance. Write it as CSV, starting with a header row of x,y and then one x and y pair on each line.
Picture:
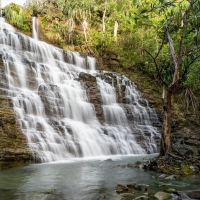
x,y
17,16
137,31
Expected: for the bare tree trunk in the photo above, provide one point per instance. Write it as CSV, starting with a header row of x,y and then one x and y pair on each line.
x,y
167,101
166,131
85,25
103,18
115,30
173,54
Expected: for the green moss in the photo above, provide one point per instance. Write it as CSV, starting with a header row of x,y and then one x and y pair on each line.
x,y
186,169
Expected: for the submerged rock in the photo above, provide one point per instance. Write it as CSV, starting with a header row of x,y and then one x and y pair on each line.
x,y
109,160
127,195
170,190
102,197
142,187
172,177
162,195
162,176
131,165
122,166
50,191
42,194
143,197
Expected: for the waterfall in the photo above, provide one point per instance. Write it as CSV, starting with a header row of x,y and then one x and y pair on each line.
x,y
59,98
91,63
35,27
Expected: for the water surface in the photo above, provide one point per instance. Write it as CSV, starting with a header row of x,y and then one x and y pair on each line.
x,y
82,179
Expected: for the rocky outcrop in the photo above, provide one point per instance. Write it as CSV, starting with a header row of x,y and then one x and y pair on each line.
x,y
13,145
89,83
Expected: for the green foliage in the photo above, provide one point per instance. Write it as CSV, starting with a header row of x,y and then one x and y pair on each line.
x,y
17,16
57,28
186,169
79,10
139,37
78,40
44,20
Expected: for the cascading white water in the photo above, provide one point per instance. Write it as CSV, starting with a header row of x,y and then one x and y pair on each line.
x,y
53,108
142,116
91,62
35,27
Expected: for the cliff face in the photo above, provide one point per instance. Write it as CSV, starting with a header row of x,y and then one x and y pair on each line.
x,y
13,145
14,150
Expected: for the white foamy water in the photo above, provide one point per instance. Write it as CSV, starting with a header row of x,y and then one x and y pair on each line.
x,y
53,107
35,27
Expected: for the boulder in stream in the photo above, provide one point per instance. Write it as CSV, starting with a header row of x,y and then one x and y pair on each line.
x,y
189,194
121,189
131,185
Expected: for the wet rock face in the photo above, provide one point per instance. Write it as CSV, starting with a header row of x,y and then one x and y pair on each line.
x,y
89,83
13,145
125,101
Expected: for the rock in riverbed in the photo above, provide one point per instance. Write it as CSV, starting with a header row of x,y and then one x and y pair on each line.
x,y
162,195
121,189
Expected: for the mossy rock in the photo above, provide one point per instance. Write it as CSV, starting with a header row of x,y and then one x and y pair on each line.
x,y
186,169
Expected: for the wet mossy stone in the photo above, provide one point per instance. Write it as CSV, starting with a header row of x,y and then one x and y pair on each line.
x,y
170,190
127,195
186,169
121,189
162,195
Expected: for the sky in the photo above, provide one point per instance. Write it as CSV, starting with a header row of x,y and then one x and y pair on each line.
x,y
19,2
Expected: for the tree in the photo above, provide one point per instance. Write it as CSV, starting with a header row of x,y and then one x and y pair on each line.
x,y
37,6
183,57
178,65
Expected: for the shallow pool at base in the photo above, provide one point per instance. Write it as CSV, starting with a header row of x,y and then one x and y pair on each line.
x,y
84,179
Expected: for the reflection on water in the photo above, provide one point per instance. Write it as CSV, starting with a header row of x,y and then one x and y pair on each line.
x,y
81,179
